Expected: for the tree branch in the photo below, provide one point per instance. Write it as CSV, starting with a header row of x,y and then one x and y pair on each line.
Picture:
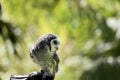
x,y
32,76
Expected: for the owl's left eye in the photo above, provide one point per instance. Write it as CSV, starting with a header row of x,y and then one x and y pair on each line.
x,y
55,42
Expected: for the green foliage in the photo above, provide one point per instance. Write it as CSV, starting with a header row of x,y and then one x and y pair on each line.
x,y
88,29
105,70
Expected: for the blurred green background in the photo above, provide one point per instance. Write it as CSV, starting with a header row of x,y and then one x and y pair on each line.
x,y
89,31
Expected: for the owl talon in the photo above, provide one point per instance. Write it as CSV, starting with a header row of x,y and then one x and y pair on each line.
x,y
44,75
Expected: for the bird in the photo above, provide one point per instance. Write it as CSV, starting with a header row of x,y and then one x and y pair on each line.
x,y
44,54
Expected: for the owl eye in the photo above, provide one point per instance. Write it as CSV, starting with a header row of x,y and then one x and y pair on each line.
x,y
55,42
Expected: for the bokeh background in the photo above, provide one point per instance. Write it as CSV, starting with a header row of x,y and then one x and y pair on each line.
x,y
89,31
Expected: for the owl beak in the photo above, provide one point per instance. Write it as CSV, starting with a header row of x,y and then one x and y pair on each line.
x,y
56,48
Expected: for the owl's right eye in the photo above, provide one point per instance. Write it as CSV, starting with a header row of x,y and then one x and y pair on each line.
x,y
55,42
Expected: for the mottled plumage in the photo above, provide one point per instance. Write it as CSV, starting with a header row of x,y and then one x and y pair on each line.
x,y
44,53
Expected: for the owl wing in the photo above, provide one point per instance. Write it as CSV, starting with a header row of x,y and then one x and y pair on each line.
x,y
40,47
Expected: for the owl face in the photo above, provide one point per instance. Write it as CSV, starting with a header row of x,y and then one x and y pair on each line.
x,y
55,44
